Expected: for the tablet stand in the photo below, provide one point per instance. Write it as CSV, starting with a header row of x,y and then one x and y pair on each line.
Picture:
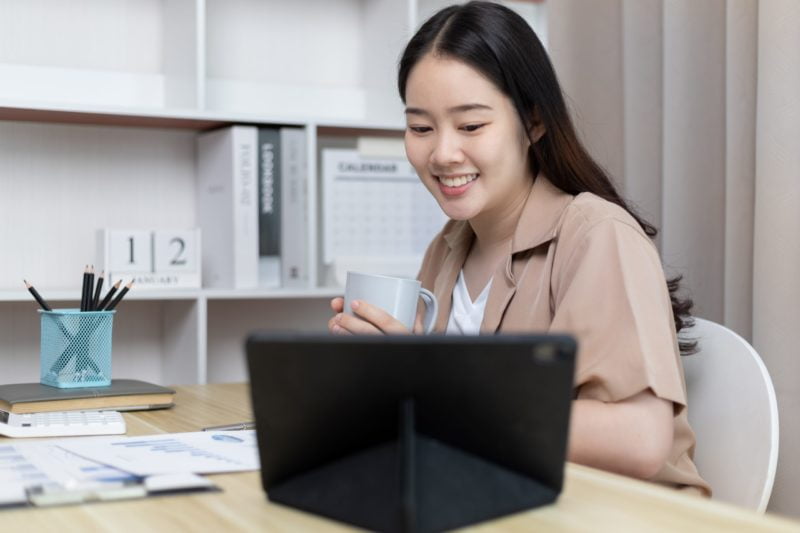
x,y
416,484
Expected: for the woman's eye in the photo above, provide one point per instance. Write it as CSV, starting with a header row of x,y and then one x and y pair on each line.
x,y
472,127
420,129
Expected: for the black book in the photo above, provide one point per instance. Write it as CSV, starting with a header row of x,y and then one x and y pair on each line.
x,y
269,207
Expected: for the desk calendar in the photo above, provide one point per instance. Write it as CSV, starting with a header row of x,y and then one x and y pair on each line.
x,y
375,207
160,259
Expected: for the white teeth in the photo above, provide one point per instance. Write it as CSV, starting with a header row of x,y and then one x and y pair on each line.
x,y
457,181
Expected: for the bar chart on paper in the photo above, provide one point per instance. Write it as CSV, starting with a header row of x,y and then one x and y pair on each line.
x,y
44,463
203,452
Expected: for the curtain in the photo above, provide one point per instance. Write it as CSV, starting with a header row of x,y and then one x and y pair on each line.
x,y
694,108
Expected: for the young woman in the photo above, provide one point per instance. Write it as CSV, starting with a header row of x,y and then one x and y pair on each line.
x,y
540,240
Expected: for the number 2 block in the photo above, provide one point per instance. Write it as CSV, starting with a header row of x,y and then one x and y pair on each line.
x,y
176,251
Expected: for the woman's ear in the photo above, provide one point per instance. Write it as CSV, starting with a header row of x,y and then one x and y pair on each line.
x,y
537,132
537,129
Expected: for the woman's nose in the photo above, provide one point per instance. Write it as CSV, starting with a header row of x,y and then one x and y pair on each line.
x,y
447,150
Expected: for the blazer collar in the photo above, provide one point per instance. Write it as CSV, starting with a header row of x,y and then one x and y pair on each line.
x,y
539,221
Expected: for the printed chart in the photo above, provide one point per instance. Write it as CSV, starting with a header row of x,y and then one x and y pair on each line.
x,y
202,452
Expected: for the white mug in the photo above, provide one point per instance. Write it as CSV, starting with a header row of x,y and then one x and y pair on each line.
x,y
396,296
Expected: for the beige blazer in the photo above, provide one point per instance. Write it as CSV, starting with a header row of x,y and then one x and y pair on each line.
x,y
582,265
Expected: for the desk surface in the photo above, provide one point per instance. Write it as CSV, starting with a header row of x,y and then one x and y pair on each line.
x,y
591,501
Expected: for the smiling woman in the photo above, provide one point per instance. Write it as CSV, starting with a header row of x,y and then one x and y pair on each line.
x,y
467,144
539,239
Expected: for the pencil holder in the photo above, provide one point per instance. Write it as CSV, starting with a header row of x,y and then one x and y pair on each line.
x,y
76,348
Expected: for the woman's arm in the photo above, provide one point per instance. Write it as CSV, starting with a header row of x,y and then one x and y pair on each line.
x,y
632,437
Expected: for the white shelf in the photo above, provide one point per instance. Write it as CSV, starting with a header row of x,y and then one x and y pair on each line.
x,y
103,136
272,294
171,118
71,295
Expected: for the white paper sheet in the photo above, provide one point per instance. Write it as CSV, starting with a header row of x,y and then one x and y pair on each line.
x,y
42,463
202,452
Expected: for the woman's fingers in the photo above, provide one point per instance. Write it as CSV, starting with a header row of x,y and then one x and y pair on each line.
x,y
333,324
366,320
377,317
349,324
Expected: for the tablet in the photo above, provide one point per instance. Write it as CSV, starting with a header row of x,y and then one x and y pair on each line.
x,y
411,432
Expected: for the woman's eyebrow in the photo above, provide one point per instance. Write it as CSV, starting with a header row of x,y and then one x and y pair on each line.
x,y
452,110
469,107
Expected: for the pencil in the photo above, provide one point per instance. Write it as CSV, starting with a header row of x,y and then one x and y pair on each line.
x,y
90,288
89,297
119,297
84,288
97,290
42,303
108,296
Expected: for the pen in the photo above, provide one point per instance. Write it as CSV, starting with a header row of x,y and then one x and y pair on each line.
x,y
232,427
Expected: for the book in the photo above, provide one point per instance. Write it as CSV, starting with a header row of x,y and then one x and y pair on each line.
x,y
227,206
121,395
269,207
294,208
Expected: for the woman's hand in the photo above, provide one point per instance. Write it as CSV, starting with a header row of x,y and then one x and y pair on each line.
x,y
366,320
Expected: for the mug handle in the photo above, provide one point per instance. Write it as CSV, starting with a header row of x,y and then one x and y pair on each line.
x,y
431,309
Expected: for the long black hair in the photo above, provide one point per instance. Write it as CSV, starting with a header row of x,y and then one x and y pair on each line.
x,y
502,46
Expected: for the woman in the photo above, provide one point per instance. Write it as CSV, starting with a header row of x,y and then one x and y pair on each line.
x,y
539,239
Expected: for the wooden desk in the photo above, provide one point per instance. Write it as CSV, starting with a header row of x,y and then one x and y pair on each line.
x,y
591,501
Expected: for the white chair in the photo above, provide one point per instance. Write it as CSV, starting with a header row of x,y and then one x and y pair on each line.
x,y
734,414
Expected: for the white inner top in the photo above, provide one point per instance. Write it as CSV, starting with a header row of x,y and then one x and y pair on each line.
x,y
466,316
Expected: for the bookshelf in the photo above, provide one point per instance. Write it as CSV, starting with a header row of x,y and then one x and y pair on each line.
x,y
100,105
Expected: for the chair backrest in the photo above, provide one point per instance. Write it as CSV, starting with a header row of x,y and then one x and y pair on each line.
x,y
734,414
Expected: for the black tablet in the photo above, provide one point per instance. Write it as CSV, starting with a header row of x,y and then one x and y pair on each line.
x,y
411,433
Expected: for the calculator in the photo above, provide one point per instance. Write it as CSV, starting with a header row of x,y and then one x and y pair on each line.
x,y
61,424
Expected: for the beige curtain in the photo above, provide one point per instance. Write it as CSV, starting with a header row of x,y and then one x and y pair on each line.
x,y
694,107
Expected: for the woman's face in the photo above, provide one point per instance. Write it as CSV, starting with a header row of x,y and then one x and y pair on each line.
x,y
465,140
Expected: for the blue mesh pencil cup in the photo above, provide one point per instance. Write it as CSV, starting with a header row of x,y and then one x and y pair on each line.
x,y
76,348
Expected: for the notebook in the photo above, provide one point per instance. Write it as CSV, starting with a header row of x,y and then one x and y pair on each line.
x,y
121,395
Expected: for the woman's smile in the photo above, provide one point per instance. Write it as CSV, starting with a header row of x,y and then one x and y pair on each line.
x,y
456,184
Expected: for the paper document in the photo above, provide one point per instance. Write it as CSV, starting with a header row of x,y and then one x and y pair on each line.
x,y
202,452
24,465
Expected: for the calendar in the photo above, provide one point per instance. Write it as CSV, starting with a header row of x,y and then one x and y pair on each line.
x,y
375,207
161,259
